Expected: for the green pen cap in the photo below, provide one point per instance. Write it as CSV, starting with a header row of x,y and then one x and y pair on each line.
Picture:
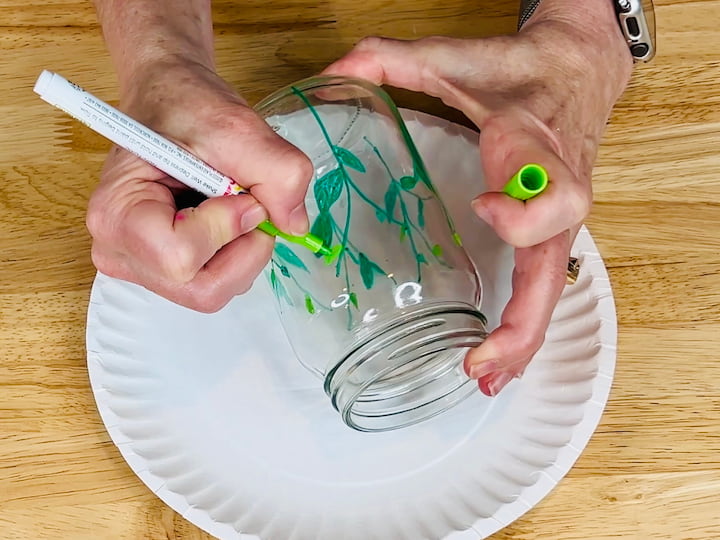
x,y
530,181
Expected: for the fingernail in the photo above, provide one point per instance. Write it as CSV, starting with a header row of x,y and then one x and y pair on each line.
x,y
483,368
482,211
252,217
499,382
299,221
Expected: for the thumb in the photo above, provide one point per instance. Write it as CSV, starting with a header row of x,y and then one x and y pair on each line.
x,y
277,173
507,142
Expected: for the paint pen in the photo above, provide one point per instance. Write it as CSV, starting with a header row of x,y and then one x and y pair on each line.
x,y
530,181
151,147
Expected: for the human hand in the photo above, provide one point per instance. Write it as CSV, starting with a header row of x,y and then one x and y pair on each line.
x,y
197,256
541,96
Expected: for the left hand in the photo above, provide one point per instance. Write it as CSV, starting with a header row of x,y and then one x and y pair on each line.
x,y
541,96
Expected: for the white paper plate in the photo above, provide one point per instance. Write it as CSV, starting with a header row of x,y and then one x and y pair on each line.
x,y
216,416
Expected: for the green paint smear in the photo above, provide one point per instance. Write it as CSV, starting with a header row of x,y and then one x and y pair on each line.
x,y
309,306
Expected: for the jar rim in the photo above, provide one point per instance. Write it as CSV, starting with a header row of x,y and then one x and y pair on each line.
x,y
413,369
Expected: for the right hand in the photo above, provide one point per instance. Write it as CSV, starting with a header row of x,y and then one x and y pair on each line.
x,y
201,256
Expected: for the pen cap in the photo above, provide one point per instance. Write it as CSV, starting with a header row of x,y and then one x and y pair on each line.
x,y
530,181
43,82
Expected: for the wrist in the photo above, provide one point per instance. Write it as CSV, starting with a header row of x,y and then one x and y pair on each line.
x,y
589,33
143,35
584,46
169,95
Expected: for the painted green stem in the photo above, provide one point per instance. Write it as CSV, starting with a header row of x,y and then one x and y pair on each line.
x,y
317,302
407,222
406,219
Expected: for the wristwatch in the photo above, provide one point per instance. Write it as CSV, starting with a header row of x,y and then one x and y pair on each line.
x,y
635,17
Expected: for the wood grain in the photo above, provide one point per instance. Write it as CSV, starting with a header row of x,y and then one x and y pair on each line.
x,y
652,470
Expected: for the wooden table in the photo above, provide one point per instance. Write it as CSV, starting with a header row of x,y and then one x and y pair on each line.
x,y
652,470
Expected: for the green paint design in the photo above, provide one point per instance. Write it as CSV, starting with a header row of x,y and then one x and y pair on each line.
x,y
280,290
346,157
395,210
309,306
278,287
288,255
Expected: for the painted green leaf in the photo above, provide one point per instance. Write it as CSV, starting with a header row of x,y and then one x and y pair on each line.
x,y
309,306
288,255
391,196
380,215
456,238
408,182
284,271
437,250
273,281
421,258
278,288
348,158
403,232
421,213
322,228
354,300
366,271
327,189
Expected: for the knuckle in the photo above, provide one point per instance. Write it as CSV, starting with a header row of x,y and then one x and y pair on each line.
x,y
495,125
580,201
110,264
304,171
101,261
244,287
216,294
96,217
299,169
370,42
207,301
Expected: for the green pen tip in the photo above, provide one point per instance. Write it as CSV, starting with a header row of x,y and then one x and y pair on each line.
x,y
332,254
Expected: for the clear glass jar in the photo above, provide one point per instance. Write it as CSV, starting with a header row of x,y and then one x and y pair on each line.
x,y
386,320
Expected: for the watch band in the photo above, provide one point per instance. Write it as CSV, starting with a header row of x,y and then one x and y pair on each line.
x,y
527,8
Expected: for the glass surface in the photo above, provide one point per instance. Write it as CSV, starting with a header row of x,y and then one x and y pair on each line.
x,y
384,321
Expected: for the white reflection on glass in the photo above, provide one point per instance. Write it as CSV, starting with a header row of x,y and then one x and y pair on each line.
x,y
408,294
